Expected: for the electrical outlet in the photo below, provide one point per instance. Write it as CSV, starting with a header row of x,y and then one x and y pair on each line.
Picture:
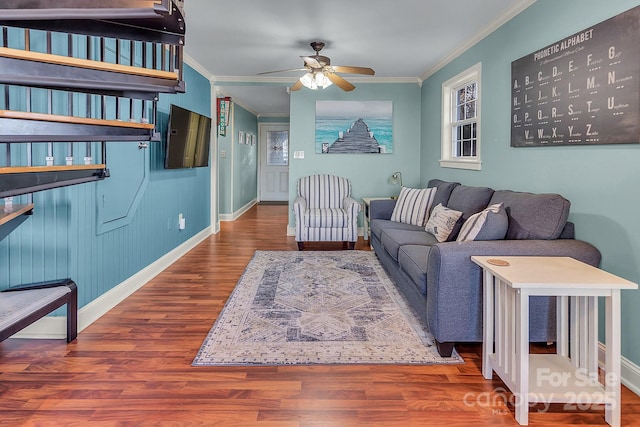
x,y
223,154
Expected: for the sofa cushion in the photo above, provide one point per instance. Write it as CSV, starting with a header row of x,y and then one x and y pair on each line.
x,y
412,259
413,205
488,224
444,190
533,216
442,221
393,239
377,226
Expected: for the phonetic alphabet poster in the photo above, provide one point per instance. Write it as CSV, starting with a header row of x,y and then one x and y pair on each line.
x,y
581,90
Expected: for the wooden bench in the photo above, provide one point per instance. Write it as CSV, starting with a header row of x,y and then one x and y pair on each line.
x,y
22,305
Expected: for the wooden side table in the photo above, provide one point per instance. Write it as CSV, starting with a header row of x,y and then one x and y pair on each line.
x,y
366,220
571,375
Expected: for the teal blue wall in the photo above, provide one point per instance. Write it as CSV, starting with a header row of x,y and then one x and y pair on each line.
x,y
245,161
238,171
369,173
600,181
61,240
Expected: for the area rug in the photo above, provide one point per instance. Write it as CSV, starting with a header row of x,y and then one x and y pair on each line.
x,y
317,307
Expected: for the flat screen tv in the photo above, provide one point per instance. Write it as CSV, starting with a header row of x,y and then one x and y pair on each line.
x,y
188,138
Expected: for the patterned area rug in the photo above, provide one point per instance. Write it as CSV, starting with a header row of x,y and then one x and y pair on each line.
x,y
317,307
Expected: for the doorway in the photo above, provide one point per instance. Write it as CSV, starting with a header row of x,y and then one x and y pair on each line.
x,y
273,144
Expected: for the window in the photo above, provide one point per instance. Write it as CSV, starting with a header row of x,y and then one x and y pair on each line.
x,y
461,120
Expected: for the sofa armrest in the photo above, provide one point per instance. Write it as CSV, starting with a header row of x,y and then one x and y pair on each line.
x,y
381,209
454,282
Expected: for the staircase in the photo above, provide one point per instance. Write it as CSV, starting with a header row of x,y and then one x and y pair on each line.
x,y
73,78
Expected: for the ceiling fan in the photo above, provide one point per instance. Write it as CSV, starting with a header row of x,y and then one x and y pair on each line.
x,y
320,72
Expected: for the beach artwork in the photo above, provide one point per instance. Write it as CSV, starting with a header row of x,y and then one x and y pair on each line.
x,y
354,127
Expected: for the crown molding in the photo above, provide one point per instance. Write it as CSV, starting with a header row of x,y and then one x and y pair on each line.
x,y
501,20
197,66
290,80
221,93
276,115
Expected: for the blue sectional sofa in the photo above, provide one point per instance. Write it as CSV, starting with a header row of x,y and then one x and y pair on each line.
x,y
440,281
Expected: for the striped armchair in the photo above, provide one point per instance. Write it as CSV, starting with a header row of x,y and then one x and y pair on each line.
x,y
325,211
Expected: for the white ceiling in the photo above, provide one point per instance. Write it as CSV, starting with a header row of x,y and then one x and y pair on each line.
x,y
402,40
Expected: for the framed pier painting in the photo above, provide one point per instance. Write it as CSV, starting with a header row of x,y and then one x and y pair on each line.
x,y
354,127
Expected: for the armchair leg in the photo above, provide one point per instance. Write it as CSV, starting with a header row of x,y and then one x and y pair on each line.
x,y
351,245
300,246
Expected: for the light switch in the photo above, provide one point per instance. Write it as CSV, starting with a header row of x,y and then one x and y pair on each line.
x,y
298,154
223,153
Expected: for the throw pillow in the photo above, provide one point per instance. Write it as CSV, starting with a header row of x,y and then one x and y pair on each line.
x,y
442,221
490,224
412,205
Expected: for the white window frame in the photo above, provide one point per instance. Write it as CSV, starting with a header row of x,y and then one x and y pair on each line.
x,y
449,88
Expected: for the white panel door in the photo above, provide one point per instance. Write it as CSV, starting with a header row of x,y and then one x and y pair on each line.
x,y
274,162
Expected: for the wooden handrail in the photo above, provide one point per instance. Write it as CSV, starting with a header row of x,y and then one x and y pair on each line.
x,y
25,115
56,168
85,63
7,215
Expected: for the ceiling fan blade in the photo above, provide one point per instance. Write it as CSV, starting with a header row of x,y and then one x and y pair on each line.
x,y
296,86
340,82
283,71
353,70
311,61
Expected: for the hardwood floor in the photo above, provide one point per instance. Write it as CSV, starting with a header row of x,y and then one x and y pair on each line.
x,y
133,366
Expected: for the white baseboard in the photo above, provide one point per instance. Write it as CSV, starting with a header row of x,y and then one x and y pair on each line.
x,y
54,327
629,371
239,212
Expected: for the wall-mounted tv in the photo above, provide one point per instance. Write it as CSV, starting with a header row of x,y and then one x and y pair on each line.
x,y
188,138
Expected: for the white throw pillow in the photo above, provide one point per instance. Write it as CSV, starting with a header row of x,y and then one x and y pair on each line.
x,y
442,221
489,224
412,205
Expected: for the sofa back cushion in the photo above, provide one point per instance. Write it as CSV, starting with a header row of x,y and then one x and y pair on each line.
x,y
533,216
444,191
469,200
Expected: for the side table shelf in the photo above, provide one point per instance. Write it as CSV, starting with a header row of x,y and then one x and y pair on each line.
x,y
571,375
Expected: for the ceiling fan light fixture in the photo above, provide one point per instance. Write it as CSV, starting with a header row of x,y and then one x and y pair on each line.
x,y
323,81
315,80
309,81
